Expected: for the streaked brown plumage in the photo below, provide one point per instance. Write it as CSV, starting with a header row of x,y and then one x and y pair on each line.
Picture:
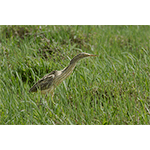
x,y
49,82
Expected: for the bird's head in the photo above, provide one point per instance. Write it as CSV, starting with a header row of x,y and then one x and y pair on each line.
x,y
80,56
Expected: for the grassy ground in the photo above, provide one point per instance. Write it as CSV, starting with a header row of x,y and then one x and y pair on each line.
x,y
110,89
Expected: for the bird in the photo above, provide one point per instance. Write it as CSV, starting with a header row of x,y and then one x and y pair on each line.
x,y
49,82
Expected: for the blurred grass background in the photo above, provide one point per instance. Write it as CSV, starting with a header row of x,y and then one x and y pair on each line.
x,y
110,89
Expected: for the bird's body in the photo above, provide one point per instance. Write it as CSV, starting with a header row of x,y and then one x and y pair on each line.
x,y
49,82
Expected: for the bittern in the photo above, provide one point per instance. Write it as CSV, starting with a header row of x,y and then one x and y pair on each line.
x,y
49,82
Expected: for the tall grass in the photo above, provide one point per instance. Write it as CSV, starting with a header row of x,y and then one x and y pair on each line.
x,y
110,89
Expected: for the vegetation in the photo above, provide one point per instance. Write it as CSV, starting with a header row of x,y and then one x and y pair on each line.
x,y
110,89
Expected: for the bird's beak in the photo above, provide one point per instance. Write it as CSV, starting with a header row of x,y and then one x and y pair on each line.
x,y
93,55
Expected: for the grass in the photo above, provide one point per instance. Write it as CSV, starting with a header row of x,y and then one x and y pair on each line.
x,y
110,89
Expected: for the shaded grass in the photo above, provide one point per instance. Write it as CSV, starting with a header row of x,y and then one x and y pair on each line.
x,y
110,89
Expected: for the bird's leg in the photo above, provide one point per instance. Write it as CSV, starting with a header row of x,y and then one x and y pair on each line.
x,y
40,102
41,99
52,95
46,96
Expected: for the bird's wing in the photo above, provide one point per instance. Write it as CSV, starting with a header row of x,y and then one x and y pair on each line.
x,y
44,83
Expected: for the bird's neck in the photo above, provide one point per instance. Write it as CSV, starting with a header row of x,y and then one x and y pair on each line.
x,y
68,70
65,73
75,59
